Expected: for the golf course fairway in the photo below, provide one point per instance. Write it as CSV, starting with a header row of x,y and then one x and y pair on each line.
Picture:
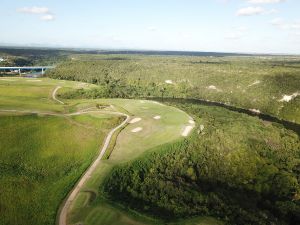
x,y
83,126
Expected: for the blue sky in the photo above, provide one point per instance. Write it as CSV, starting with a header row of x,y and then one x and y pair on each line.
x,y
263,26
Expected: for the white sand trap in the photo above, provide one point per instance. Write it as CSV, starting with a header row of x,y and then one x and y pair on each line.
x,y
7,79
135,120
34,80
187,130
168,81
191,122
135,130
142,101
287,98
157,117
213,87
255,111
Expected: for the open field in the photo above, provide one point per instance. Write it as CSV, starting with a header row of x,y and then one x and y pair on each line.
x,y
269,84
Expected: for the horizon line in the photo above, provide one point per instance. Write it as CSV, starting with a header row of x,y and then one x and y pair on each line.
x,y
20,46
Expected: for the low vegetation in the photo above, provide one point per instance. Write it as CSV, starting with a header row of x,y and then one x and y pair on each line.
x,y
238,168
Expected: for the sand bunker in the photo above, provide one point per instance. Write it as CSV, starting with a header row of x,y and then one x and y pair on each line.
x,y
135,120
287,98
255,111
135,130
157,117
213,87
187,130
142,101
191,122
168,81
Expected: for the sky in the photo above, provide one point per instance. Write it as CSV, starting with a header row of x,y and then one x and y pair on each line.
x,y
248,26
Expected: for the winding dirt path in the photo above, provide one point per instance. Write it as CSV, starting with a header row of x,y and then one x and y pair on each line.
x,y
63,212
71,197
62,220
54,95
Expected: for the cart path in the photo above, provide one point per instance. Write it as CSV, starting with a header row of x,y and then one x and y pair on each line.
x,y
71,197
54,95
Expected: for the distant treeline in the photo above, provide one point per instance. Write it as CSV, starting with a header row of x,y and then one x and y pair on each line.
x,y
22,51
172,53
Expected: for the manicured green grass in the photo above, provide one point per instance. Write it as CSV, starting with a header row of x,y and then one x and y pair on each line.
x,y
129,146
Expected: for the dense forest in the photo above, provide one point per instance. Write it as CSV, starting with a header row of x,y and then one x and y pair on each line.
x,y
259,83
238,168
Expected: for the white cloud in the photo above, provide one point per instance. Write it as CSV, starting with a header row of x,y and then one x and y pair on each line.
x,y
47,17
264,1
251,11
44,11
34,10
